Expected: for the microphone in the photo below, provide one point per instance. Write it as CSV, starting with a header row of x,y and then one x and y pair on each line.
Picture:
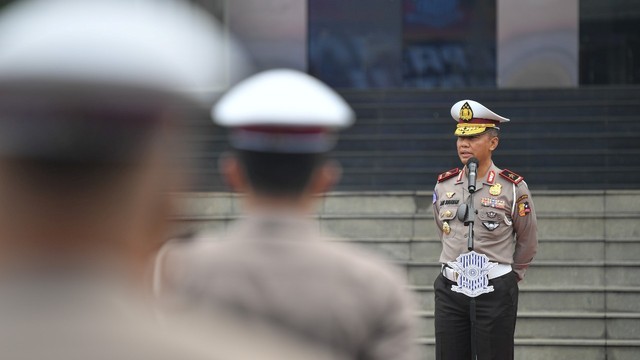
x,y
472,172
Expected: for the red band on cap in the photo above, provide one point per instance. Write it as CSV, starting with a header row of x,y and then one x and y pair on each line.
x,y
480,121
283,140
284,129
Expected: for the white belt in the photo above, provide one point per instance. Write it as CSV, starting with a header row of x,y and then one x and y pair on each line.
x,y
496,271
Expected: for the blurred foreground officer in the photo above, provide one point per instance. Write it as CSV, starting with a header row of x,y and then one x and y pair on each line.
x,y
91,96
477,292
273,268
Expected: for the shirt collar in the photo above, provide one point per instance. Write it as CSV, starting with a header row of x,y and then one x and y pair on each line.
x,y
489,178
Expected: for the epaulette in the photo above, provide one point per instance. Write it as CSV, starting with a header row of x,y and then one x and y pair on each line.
x,y
511,176
448,174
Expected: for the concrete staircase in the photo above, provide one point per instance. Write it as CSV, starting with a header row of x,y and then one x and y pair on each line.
x,y
580,299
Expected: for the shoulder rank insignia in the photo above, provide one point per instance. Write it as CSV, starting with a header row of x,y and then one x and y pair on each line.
x,y
448,174
511,176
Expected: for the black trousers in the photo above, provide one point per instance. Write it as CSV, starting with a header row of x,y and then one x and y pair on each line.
x,y
495,320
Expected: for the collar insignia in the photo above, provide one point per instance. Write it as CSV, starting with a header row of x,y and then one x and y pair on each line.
x,y
491,177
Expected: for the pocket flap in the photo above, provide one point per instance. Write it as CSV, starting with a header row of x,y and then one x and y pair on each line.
x,y
490,215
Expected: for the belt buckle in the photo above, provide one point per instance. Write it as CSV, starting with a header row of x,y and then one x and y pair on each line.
x,y
449,273
472,274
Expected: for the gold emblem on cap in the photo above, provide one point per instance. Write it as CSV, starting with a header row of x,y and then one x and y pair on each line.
x,y
448,213
495,189
466,114
446,228
450,195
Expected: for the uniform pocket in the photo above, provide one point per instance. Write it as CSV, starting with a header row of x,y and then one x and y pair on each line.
x,y
491,219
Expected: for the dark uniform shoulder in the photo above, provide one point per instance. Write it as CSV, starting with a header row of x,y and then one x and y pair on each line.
x,y
448,174
511,176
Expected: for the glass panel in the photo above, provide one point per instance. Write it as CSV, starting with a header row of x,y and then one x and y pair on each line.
x,y
356,43
537,43
609,42
449,43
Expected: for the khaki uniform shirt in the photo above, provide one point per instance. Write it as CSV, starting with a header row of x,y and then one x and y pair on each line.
x,y
79,317
278,270
505,227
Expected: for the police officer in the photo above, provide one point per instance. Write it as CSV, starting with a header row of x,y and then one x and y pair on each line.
x,y
474,316
93,95
273,267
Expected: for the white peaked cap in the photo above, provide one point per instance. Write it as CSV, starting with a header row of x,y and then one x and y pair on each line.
x,y
479,111
163,45
474,118
282,98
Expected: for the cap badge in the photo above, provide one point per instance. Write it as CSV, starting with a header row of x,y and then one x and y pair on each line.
x,y
495,189
466,114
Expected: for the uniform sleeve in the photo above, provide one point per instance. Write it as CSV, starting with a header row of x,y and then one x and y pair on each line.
x,y
525,225
436,211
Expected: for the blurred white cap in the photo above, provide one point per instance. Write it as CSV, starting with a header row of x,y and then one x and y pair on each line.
x,y
168,46
283,97
283,111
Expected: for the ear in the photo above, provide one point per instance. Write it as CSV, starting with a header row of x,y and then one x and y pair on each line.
x,y
493,143
325,177
232,172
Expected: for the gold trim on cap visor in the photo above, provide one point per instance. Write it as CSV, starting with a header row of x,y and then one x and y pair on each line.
x,y
472,129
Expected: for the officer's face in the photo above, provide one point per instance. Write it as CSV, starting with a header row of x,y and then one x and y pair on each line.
x,y
479,146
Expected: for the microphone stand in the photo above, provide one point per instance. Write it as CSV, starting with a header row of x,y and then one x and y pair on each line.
x,y
469,221
470,218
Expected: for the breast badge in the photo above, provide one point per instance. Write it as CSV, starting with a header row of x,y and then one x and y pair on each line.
x,y
450,194
494,203
491,225
495,189
446,228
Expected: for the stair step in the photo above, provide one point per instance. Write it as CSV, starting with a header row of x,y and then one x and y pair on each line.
x,y
569,250
563,325
565,349
609,203
590,300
